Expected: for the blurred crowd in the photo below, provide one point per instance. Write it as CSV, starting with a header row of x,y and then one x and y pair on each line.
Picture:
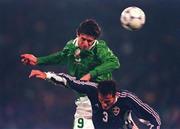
x,y
149,59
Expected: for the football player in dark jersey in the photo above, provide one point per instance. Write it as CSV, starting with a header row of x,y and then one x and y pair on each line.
x,y
110,107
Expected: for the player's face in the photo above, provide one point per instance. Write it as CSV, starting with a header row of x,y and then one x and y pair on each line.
x,y
85,41
106,101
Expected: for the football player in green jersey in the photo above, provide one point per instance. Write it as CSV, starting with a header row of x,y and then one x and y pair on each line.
x,y
88,59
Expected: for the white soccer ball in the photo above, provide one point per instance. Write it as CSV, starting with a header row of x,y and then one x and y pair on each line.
x,y
132,18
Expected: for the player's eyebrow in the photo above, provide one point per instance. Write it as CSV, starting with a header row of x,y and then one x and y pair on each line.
x,y
89,40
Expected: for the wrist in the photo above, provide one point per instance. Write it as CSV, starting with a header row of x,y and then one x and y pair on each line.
x,y
93,74
48,75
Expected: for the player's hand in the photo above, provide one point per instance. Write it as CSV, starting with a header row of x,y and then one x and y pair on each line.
x,y
28,59
38,74
86,77
135,127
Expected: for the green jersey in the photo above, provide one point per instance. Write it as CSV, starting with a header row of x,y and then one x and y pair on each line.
x,y
99,60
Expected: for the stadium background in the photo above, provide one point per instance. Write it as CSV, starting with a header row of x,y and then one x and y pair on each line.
x,y
150,58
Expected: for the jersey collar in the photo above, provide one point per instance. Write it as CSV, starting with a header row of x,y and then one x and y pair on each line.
x,y
76,43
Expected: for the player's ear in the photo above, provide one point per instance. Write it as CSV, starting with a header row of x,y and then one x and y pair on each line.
x,y
77,34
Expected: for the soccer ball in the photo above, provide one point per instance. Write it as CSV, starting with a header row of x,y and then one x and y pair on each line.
x,y
132,18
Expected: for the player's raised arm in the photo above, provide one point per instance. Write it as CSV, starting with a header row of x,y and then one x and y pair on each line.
x,y
109,61
72,82
143,111
65,80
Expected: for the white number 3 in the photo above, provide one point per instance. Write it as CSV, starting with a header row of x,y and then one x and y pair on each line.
x,y
105,116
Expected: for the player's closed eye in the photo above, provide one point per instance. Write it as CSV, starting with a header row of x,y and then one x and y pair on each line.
x,y
88,40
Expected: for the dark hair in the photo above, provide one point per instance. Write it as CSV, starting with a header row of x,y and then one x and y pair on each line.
x,y
89,27
107,87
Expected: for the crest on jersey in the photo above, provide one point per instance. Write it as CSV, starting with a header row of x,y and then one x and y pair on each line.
x,y
116,110
77,52
77,55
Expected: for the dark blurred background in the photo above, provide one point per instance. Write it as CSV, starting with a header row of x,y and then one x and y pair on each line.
x,y
150,57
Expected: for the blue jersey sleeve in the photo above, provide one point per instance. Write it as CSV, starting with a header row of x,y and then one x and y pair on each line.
x,y
68,81
143,111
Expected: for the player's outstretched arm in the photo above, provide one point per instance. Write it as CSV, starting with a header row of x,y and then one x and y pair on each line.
x,y
28,59
65,80
50,76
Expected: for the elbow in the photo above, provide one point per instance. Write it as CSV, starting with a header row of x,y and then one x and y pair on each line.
x,y
116,64
158,119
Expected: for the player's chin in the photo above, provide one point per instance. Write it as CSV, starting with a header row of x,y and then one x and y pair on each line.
x,y
84,48
105,107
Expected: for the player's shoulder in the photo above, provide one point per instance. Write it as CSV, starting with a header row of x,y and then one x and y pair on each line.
x,y
71,42
101,43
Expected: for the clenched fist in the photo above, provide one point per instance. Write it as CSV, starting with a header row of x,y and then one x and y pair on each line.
x,y
28,59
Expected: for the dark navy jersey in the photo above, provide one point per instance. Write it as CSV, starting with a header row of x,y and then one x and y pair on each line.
x,y
116,117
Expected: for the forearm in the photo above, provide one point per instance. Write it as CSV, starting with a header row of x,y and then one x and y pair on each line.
x,y
144,112
56,79
151,125
55,58
47,60
107,67
151,119
71,82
